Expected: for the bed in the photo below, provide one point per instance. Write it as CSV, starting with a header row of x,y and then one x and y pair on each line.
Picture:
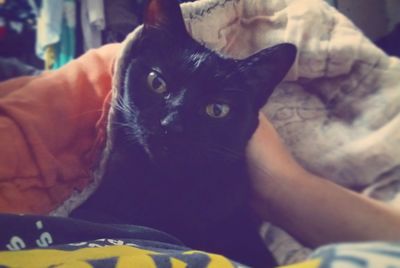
x,y
338,109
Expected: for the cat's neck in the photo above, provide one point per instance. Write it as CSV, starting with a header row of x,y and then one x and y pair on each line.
x,y
133,158
132,154
130,179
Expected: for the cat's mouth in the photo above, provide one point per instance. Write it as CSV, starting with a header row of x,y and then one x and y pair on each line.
x,y
160,153
180,153
172,154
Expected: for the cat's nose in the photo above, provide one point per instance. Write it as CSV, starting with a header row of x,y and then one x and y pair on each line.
x,y
171,123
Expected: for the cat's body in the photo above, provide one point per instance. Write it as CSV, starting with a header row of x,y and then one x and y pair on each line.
x,y
204,207
178,132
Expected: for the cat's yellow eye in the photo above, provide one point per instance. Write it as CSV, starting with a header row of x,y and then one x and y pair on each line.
x,y
217,110
156,83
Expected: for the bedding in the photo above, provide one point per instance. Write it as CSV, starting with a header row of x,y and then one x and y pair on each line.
x,y
42,241
47,128
338,109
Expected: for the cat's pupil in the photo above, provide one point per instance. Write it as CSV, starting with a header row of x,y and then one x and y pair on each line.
x,y
217,109
157,83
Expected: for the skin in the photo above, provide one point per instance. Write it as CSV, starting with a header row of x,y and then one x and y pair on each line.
x,y
314,210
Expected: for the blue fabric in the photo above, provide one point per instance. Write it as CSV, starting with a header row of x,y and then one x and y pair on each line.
x,y
56,27
65,49
49,25
359,255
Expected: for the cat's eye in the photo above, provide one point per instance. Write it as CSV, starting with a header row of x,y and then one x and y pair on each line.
x,y
156,83
217,110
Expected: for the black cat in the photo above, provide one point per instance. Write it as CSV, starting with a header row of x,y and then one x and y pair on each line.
x,y
180,126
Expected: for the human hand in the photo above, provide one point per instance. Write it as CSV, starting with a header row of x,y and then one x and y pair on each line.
x,y
312,209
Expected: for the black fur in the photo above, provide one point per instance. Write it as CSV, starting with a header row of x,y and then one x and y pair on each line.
x,y
172,166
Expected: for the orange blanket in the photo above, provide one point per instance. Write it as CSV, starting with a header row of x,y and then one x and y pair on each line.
x,y
48,129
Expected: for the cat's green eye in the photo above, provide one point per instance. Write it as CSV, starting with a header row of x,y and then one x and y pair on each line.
x,y
156,83
217,110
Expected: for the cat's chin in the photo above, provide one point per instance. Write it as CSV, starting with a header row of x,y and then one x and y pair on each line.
x,y
158,156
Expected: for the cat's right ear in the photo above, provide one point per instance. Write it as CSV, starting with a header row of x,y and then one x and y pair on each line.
x,y
265,69
164,15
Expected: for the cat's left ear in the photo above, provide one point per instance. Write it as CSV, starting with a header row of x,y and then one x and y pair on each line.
x,y
266,69
164,15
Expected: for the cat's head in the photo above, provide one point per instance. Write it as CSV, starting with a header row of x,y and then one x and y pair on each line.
x,y
185,103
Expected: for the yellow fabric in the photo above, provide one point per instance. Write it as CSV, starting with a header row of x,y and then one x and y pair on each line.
x,y
307,264
143,261
127,256
49,57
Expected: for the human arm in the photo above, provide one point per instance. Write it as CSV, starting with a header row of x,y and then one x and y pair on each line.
x,y
314,210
